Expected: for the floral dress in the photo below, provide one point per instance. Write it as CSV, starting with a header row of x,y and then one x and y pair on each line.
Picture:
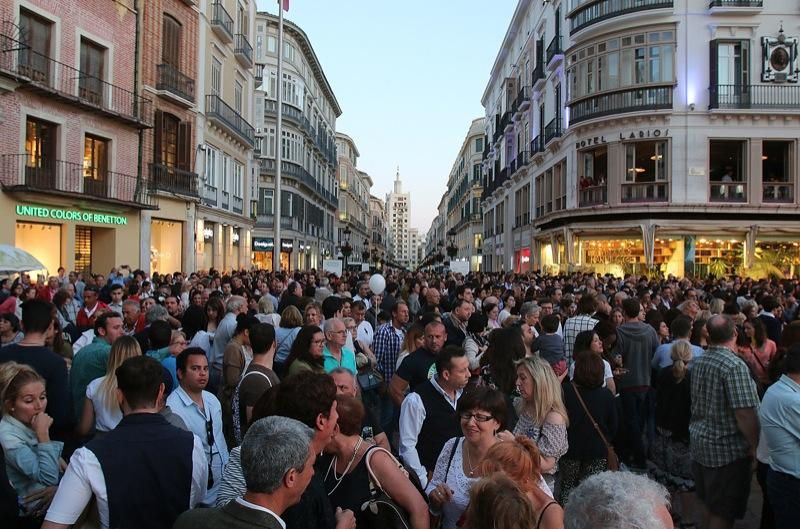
x,y
551,439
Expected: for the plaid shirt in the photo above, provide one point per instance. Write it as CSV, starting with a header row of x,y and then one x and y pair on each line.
x,y
573,326
721,384
386,345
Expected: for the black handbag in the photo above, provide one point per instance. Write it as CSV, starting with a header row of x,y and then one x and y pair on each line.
x,y
380,511
369,379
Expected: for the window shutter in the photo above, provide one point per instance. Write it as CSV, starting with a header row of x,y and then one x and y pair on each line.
x,y
713,61
158,129
185,146
171,37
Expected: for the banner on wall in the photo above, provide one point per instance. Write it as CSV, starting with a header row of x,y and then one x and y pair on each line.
x,y
459,267
332,266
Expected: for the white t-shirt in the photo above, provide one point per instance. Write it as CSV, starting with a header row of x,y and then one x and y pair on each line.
x,y
106,415
607,373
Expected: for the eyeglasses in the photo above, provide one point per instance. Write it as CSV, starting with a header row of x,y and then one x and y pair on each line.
x,y
477,416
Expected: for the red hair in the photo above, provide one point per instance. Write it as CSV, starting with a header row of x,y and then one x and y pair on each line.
x,y
518,459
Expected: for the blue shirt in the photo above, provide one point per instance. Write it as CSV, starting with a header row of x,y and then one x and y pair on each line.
x,y
348,360
196,420
663,356
780,422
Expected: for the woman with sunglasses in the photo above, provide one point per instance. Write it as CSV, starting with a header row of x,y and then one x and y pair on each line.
x,y
482,413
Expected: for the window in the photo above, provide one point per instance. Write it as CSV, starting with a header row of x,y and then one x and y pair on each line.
x,y
267,202
34,35
290,92
90,85
95,157
727,163
593,165
212,166
288,51
216,76
478,145
730,72
171,42
272,44
620,62
238,179
226,173
237,96
645,171
40,151
777,171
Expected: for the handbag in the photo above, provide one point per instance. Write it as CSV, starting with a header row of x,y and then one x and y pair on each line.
x,y
611,457
380,511
369,379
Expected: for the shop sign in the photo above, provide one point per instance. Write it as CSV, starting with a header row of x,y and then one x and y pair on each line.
x,y
286,245
263,244
75,215
637,135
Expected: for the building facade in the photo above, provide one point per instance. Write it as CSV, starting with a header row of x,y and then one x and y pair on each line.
x,y
398,205
354,203
309,190
71,110
657,138
169,65
226,137
378,230
414,241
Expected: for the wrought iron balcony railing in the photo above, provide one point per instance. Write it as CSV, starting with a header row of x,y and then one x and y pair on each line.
x,y
593,196
595,12
621,102
172,180
757,97
221,22
554,49
172,80
243,50
552,130
224,115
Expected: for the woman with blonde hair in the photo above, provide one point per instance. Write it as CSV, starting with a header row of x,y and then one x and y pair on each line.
x,y
542,414
670,451
33,462
414,340
497,502
519,460
101,409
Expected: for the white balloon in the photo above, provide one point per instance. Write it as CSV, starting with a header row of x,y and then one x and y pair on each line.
x,y
377,284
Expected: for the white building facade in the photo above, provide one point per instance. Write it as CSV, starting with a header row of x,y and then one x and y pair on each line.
x,y
398,206
309,189
656,137
354,198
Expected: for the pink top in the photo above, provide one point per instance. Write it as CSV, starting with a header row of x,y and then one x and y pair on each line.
x,y
759,358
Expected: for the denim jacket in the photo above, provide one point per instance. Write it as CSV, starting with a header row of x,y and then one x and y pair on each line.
x,y
31,465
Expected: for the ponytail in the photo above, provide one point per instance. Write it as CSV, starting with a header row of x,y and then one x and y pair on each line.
x,y
681,353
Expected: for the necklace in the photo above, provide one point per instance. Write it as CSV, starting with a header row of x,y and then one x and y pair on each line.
x,y
472,467
339,479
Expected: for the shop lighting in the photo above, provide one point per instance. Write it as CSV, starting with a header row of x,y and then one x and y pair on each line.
x,y
656,157
208,233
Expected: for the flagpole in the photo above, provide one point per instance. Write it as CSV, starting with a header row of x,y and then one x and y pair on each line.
x,y
276,255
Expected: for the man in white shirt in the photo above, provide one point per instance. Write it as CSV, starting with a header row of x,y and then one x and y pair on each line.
x,y
278,463
145,472
202,413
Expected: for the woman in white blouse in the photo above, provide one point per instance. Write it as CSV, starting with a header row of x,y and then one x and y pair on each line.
x,y
101,408
482,413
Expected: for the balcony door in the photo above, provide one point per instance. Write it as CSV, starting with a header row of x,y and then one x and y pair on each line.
x,y
95,166
40,154
90,86
730,63
34,48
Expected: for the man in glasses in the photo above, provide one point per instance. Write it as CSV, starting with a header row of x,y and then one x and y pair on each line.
x,y
145,472
202,413
335,352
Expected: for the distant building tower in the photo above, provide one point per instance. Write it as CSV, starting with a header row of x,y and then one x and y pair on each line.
x,y
397,212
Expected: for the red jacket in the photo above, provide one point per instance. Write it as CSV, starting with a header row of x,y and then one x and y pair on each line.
x,y
84,321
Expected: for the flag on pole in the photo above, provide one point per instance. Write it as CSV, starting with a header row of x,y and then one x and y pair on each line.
x,y
285,4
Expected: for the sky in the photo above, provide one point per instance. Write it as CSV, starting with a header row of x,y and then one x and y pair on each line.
x,y
409,76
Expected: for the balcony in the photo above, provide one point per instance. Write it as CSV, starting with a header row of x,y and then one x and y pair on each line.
x,y
554,52
755,97
221,22
298,173
644,192
778,193
621,102
40,74
537,145
265,221
512,168
506,123
523,159
22,173
258,75
172,180
552,130
243,51
227,118
728,191
592,196
523,101
210,196
226,200
590,13
172,81
538,77
736,6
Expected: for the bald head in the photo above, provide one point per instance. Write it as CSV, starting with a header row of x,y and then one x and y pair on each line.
x,y
721,330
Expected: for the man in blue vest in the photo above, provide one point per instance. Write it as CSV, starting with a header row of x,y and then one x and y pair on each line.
x,y
428,414
145,472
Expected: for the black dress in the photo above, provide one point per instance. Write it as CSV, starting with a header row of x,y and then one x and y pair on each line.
x,y
352,490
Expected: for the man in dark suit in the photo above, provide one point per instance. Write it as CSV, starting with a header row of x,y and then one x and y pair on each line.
x,y
769,318
277,463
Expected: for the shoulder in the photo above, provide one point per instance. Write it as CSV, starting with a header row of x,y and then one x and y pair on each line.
x,y
555,418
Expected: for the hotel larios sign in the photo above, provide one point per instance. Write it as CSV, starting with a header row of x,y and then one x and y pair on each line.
x,y
633,135
74,215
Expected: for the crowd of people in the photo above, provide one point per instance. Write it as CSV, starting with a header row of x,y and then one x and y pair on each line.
x,y
307,400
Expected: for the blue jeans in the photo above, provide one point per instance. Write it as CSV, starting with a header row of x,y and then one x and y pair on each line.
x,y
634,416
784,496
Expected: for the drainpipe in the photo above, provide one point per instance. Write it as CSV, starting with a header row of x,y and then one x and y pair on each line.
x,y
138,112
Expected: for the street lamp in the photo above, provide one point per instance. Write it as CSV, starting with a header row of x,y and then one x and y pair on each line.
x,y
365,253
346,249
452,249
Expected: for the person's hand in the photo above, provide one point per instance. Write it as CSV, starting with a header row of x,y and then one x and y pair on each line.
x,y
40,424
441,495
505,435
345,519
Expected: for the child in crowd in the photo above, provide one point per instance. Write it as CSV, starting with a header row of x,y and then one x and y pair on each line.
x,y
550,345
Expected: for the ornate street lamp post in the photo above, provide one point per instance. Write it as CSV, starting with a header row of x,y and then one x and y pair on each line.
x,y
346,249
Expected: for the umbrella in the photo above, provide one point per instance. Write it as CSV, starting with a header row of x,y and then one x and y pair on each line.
x,y
13,259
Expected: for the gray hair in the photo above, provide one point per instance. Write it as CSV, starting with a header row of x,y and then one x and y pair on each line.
x,y
155,313
528,308
265,305
616,500
330,323
235,304
132,303
271,447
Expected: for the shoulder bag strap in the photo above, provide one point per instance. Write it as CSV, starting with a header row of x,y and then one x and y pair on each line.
x,y
594,423
257,373
450,459
373,479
